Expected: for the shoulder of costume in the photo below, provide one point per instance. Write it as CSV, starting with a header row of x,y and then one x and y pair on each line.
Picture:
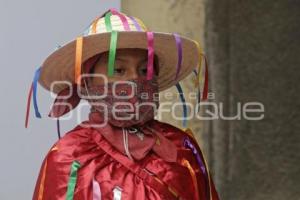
x,y
166,127
70,138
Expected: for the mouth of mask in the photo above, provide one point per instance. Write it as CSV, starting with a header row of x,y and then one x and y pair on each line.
x,y
124,103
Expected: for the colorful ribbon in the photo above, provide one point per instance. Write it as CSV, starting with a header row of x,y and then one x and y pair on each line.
x,y
189,144
196,74
35,84
42,183
184,122
33,93
108,22
198,81
117,193
198,92
136,24
205,87
44,173
122,18
58,128
112,52
94,25
113,43
203,166
96,190
141,23
28,106
187,164
150,38
78,59
179,50
72,180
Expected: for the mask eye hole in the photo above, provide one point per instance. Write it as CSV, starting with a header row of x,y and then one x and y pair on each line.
x,y
142,71
119,71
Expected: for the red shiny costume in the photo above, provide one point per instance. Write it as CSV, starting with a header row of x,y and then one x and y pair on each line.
x,y
103,168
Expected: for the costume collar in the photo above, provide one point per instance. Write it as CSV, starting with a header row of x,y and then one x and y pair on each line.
x,y
141,140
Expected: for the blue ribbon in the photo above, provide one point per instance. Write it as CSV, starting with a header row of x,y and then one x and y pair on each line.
x,y
35,84
184,122
58,128
198,92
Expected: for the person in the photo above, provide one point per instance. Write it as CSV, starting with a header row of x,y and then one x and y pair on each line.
x,y
121,151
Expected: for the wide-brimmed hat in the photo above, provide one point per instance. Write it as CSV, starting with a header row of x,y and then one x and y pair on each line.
x,y
177,55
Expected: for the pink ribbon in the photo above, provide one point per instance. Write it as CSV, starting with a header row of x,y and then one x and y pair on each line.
x,y
96,190
150,38
123,19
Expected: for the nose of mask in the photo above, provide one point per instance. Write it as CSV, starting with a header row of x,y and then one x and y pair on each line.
x,y
124,103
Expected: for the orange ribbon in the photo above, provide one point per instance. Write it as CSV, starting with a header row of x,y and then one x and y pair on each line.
x,y
78,59
187,164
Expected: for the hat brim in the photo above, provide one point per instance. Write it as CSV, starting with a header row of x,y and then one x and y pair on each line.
x,y
59,66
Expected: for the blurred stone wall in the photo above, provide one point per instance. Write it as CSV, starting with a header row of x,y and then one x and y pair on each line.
x,y
253,49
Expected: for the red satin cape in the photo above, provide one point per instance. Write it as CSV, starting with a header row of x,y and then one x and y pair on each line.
x,y
101,171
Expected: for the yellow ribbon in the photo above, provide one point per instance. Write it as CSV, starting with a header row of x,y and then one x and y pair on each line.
x,y
141,24
94,25
200,51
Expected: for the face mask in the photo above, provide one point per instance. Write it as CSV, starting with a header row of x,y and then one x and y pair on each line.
x,y
124,103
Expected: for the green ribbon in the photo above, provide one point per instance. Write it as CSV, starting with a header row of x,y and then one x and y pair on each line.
x,y
113,44
72,180
108,22
112,52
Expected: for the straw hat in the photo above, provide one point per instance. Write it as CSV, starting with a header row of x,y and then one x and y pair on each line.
x,y
177,55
